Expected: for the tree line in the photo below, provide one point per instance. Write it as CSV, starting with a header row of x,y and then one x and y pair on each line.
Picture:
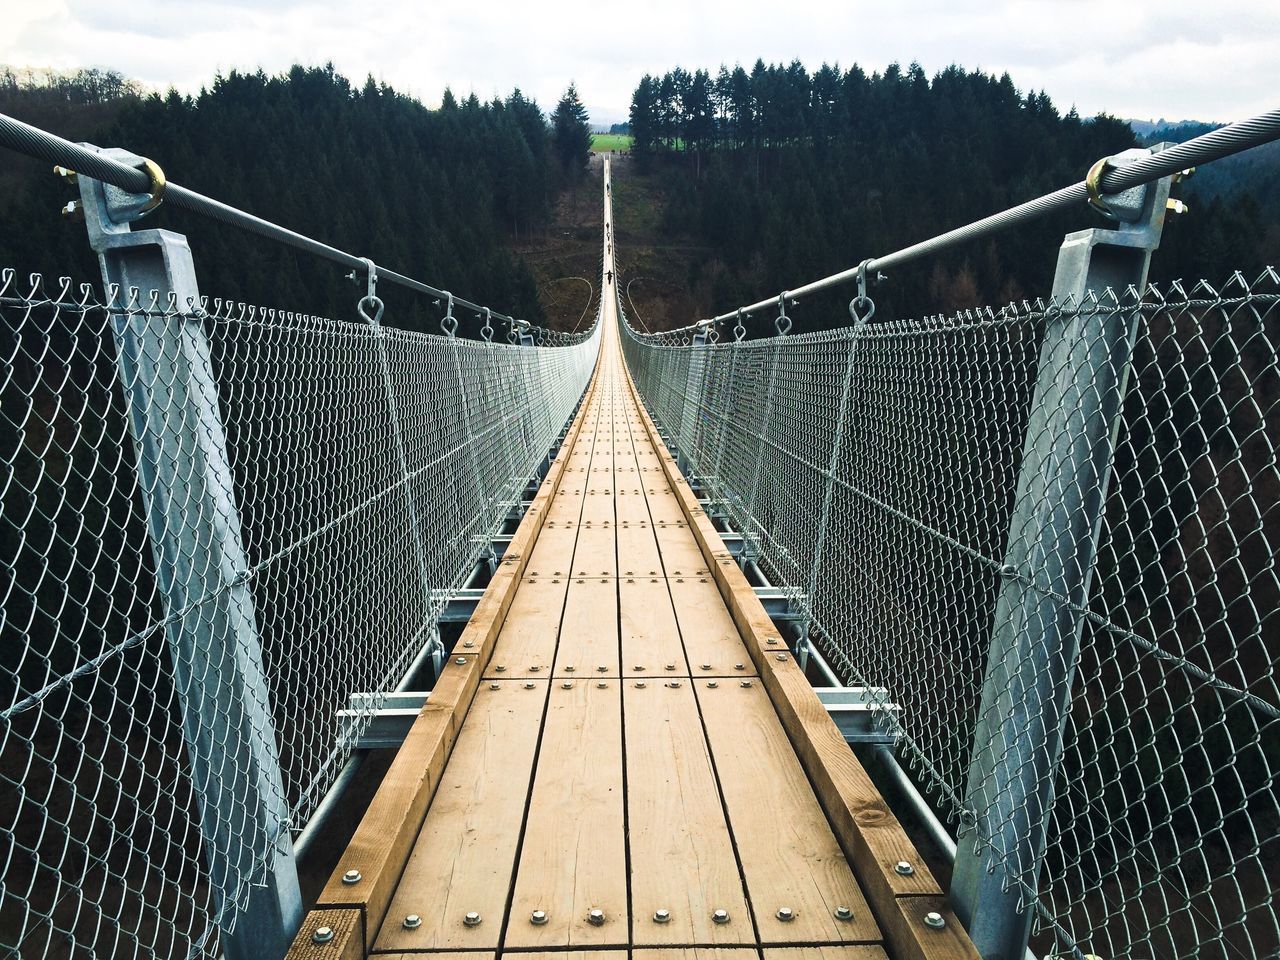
x,y
788,174
437,194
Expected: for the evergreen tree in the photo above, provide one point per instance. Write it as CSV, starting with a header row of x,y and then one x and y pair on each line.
x,y
571,136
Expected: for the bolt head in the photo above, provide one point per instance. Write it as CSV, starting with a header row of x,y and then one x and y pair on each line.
x,y
412,922
495,686
720,916
844,913
351,876
706,666
786,914
568,669
671,666
596,917
661,916
461,661
602,669
782,658
903,868
500,668
745,683
472,919
712,684
538,917
935,920
322,934
739,666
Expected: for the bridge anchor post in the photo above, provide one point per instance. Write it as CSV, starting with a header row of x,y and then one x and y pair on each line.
x,y
1044,587
185,484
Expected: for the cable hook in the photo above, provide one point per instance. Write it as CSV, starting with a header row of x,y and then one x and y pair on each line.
x,y
448,323
740,330
370,299
783,323
486,331
862,308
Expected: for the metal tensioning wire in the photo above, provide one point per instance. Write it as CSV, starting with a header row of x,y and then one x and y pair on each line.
x,y
1223,142
42,145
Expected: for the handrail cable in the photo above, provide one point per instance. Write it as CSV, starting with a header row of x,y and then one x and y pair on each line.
x,y
42,145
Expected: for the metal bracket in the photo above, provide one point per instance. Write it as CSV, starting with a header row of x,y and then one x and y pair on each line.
x,y
862,714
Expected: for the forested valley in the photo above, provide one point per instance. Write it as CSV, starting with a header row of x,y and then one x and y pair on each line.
x,y
438,194
786,175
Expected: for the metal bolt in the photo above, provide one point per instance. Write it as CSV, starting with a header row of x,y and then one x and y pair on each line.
x,y
596,917
935,920
494,686
567,685
412,922
602,669
529,684
745,683
782,657
720,916
468,643
568,669
904,868
786,914
661,916
1008,570
535,668
500,668
472,919
461,661
68,175
538,917
602,685
706,666
322,934
844,913
739,666
74,211
671,666
640,685
638,668
772,640
712,684
351,876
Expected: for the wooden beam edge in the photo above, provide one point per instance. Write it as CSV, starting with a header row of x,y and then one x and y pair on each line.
x,y
865,829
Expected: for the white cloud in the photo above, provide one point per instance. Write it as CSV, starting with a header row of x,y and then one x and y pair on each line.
x,y
1139,58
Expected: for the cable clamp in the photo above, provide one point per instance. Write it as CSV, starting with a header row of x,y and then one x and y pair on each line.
x,y
370,300
1093,184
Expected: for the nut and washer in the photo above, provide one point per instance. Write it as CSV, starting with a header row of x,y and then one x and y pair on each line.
x,y
903,868
935,920
538,917
472,919
412,922
351,876
461,661
661,916
596,917
322,934
844,913
720,916
712,684
786,914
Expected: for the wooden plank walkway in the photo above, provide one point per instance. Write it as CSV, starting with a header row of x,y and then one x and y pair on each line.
x,y
621,759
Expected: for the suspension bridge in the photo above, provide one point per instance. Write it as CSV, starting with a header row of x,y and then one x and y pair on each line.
x,y
905,639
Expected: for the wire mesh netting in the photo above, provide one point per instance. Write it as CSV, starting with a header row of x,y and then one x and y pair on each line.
x,y
875,470
346,478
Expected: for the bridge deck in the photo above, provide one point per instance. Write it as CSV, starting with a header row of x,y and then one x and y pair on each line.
x,y
620,755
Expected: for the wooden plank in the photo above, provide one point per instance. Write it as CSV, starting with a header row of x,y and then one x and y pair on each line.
x,y
789,857
651,644
552,553
696,953
568,955
526,646
441,955
596,551
589,630
573,858
863,951
682,858
631,505
638,551
597,508
681,555
347,942
465,855
710,637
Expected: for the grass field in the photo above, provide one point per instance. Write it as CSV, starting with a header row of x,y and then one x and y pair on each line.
x,y
610,142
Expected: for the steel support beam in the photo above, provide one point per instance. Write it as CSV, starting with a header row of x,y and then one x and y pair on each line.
x,y
1045,578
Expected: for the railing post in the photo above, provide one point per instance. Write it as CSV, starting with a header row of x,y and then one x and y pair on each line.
x,y
185,483
1072,426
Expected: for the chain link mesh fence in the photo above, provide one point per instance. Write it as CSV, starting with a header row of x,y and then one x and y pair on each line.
x,y
873,472
370,469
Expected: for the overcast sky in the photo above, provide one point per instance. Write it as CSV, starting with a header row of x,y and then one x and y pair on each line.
x,y
1196,59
